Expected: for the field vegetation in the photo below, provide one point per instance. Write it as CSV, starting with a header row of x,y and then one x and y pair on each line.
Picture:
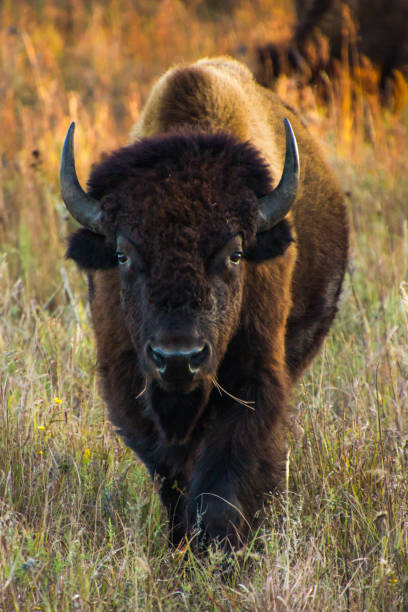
x,y
81,527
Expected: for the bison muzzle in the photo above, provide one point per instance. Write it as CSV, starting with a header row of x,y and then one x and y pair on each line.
x,y
215,261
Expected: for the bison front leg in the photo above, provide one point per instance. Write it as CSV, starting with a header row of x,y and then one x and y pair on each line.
x,y
173,500
217,516
241,463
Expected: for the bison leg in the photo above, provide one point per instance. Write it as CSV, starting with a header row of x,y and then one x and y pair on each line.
x,y
172,499
217,519
240,462
217,512
226,498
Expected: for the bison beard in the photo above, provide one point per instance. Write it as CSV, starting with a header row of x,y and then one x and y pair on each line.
x,y
175,413
210,289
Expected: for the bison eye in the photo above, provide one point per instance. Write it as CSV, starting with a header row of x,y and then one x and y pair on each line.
x,y
121,257
235,257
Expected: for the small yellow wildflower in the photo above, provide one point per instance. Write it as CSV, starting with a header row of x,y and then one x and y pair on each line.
x,y
41,427
57,400
40,452
85,456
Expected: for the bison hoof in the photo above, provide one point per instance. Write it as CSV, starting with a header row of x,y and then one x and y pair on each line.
x,y
219,521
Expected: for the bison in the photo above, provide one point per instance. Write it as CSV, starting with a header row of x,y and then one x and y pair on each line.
x,y
212,284
328,31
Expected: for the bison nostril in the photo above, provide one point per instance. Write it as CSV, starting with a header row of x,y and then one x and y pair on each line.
x,y
198,357
156,356
174,362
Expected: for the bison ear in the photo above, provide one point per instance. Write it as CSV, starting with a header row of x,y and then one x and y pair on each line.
x,y
91,251
271,243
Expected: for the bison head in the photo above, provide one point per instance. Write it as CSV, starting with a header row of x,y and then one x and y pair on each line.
x,y
180,216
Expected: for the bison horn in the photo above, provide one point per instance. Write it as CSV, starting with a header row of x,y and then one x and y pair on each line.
x,y
274,206
85,209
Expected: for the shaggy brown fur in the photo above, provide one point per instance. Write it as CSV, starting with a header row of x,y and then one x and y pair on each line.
x,y
180,201
327,31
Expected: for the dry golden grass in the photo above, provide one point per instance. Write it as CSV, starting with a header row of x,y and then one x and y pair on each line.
x,y
80,526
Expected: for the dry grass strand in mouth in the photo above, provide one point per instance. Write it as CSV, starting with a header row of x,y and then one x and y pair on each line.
x,y
143,391
221,390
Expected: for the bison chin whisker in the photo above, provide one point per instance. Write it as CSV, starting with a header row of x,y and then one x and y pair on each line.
x,y
142,391
221,390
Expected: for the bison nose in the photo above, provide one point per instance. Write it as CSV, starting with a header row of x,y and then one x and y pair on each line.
x,y
177,363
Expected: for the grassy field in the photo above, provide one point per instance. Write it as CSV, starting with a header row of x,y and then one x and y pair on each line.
x,y
80,525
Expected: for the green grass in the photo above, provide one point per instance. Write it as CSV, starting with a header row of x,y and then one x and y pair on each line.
x,y
81,527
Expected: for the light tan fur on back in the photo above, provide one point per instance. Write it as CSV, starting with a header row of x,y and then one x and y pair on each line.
x,y
222,95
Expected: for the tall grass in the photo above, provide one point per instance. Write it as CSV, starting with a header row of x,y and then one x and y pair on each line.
x,y
80,524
